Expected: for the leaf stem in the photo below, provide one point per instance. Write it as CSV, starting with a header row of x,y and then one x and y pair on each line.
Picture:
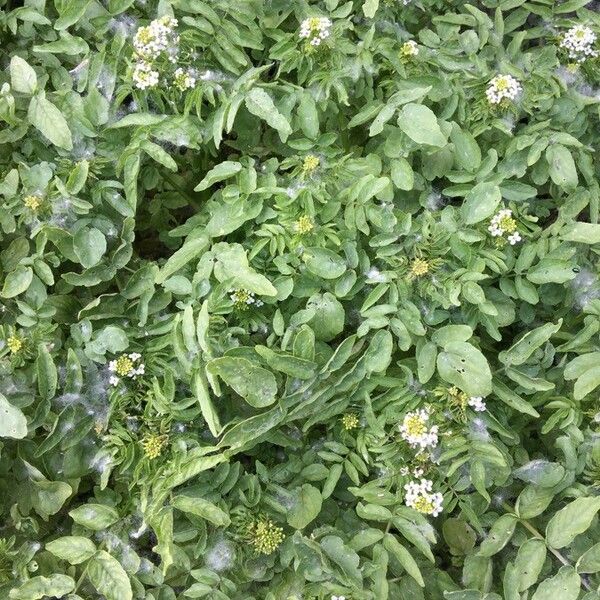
x,y
539,536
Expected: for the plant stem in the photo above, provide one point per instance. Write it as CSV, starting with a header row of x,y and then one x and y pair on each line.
x,y
539,536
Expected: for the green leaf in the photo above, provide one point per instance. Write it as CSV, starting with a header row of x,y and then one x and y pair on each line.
x,y
45,117
232,264
329,316
22,76
191,249
138,120
420,125
70,12
306,508
260,104
462,365
74,549
561,166
589,561
521,350
202,508
222,171
564,585
466,150
402,174
256,385
54,586
324,263
369,8
200,388
94,516
451,333
499,535
89,245
570,521
459,535
17,282
583,233
108,577
155,152
13,423
540,472
344,557
513,400
308,116
286,363
404,557
480,202
529,563
46,372
78,177
550,270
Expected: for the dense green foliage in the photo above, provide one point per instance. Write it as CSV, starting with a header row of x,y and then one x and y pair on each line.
x,y
299,300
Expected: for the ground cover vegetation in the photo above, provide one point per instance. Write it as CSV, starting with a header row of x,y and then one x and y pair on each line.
x,y
299,300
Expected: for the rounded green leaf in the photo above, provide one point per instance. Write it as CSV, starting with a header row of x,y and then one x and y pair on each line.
x,y
256,385
570,521
74,549
324,263
480,202
17,282
420,125
108,577
13,423
94,516
90,246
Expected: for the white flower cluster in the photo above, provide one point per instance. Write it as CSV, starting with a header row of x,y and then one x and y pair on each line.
x,y
144,76
502,87
477,403
410,48
338,597
502,223
184,79
158,37
415,431
579,43
315,29
242,299
127,365
419,496
416,472
152,43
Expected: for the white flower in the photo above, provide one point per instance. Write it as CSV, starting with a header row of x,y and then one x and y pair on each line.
x,y
144,76
338,597
503,223
415,431
127,365
502,87
315,30
149,42
184,80
477,403
420,497
409,48
579,43
514,238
